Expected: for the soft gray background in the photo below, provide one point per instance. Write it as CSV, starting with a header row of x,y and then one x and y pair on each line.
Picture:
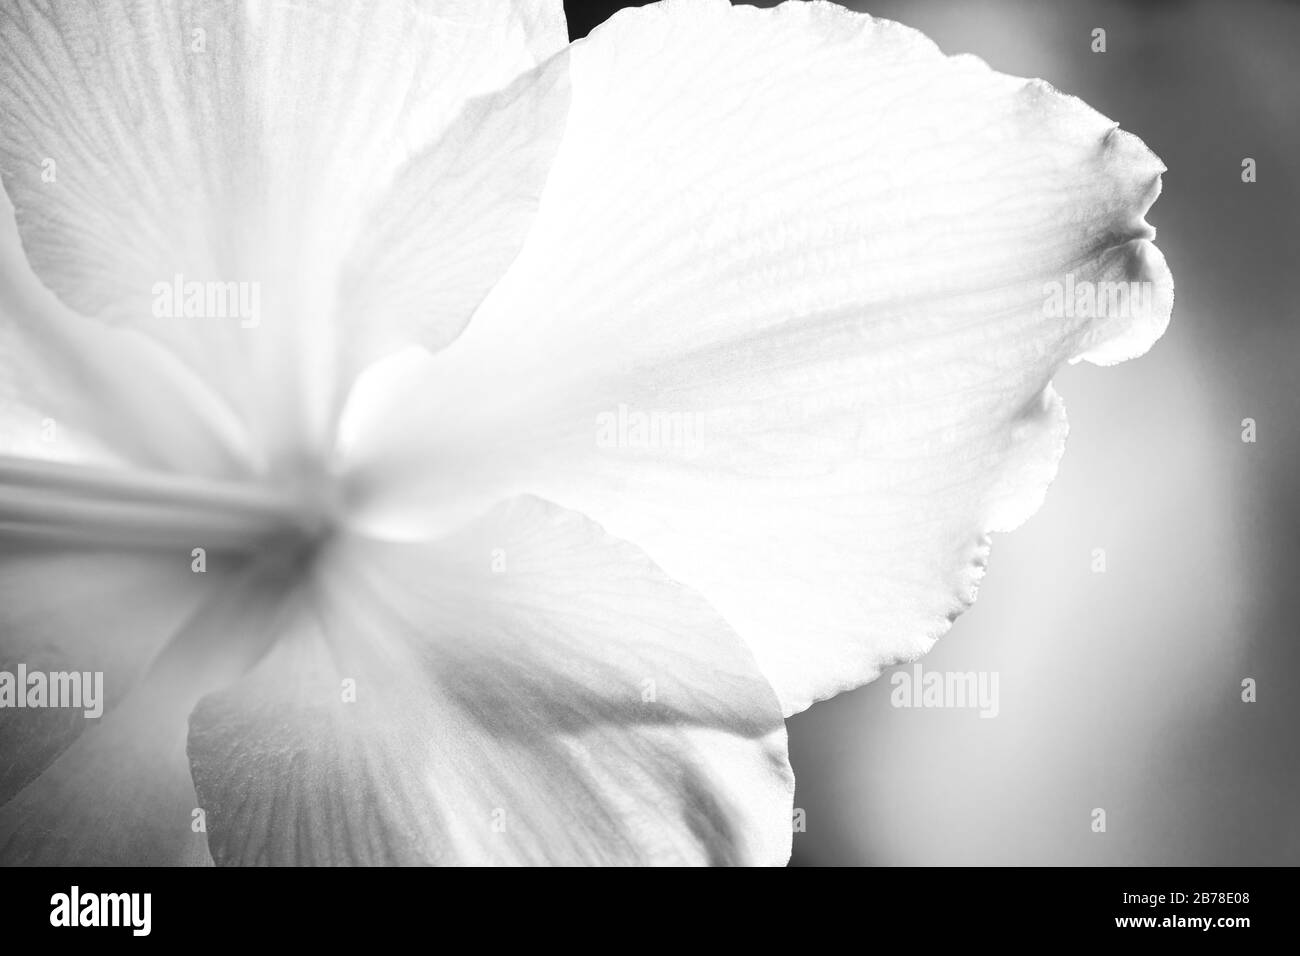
x,y
1122,690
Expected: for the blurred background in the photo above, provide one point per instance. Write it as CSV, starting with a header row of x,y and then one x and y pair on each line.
x,y
1122,690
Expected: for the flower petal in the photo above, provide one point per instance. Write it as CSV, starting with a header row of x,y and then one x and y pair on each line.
x,y
83,610
234,143
454,219
529,690
119,792
784,321
78,392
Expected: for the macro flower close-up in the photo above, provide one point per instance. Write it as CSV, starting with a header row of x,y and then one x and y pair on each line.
x,y
426,440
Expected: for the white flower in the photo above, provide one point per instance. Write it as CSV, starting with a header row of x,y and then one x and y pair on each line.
x,y
573,414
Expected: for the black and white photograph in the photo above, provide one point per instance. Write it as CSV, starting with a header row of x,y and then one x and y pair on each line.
x,y
514,433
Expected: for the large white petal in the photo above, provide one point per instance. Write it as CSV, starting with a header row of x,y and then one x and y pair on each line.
x,y
236,142
820,252
528,690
